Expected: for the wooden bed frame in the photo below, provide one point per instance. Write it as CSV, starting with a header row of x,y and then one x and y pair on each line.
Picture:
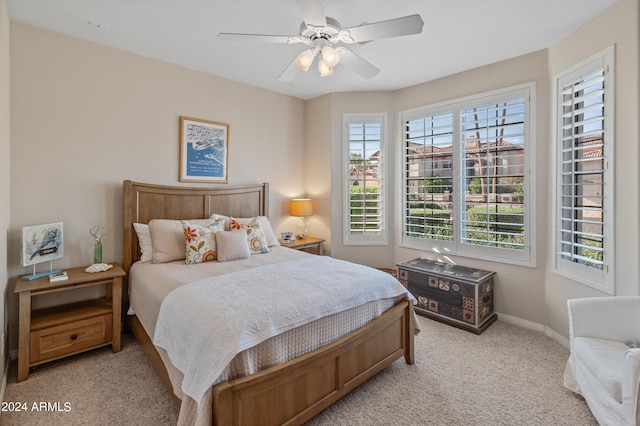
x,y
289,393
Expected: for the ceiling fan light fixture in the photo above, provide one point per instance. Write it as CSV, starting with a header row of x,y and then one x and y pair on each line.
x,y
321,32
305,59
330,56
324,69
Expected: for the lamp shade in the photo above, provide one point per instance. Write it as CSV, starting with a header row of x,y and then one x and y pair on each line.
x,y
300,207
324,69
305,59
330,56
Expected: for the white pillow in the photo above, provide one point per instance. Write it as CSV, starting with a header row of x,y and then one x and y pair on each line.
x,y
272,240
200,242
269,235
232,245
255,235
144,240
167,238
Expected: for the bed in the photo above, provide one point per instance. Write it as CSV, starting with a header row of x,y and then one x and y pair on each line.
x,y
288,393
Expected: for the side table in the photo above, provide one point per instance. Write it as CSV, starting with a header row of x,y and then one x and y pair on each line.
x,y
53,333
307,243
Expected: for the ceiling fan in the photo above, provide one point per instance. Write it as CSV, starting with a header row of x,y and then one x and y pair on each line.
x,y
321,33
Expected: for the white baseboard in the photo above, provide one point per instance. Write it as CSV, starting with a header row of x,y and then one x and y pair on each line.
x,y
557,337
520,322
534,326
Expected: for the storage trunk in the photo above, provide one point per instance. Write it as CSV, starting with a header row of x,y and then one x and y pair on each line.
x,y
453,294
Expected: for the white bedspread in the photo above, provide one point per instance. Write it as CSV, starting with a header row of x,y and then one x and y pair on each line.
x,y
241,309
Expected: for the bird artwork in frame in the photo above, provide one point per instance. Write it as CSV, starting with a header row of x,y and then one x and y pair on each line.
x,y
42,243
204,150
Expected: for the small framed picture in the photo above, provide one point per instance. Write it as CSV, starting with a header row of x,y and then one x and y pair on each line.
x,y
204,150
42,243
287,237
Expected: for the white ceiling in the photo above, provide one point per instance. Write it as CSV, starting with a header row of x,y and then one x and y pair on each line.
x,y
458,35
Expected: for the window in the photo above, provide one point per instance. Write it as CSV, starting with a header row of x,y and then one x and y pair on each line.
x,y
584,190
365,179
492,149
466,177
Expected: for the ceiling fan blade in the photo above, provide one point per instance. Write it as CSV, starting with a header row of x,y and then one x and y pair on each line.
x,y
263,38
406,25
356,63
313,13
290,72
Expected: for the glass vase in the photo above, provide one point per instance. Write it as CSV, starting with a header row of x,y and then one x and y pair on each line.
x,y
97,252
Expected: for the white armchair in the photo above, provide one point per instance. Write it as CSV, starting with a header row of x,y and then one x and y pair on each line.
x,y
601,367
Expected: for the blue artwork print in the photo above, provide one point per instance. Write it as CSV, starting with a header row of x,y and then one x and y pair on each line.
x,y
42,243
206,151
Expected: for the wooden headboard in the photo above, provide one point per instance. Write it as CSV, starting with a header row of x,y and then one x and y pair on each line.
x,y
143,202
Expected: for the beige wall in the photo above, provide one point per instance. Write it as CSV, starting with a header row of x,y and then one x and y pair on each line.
x,y
318,138
325,165
519,290
5,187
85,117
366,103
617,26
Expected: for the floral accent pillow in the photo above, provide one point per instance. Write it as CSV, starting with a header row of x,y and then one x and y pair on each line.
x,y
269,235
200,242
255,235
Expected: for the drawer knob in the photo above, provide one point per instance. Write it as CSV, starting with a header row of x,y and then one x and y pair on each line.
x,y
74,336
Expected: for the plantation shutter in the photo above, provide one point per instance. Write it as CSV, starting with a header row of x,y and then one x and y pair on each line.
x,y
429,191
493,173
582,170
466,177
364,212
584,176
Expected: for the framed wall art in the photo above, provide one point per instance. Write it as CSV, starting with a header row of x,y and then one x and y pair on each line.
x,y
204,151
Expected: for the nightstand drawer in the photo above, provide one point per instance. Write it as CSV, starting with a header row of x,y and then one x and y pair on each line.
x,y
64,339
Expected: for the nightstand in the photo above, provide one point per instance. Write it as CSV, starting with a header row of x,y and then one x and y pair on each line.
x,y
53,333
306,244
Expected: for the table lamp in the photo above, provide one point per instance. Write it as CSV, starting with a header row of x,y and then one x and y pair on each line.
x,y
300,207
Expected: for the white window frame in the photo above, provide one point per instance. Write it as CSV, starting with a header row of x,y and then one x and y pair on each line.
x,y
380,238
525,257
604,279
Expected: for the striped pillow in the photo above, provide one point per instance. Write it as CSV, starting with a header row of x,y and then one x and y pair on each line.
x,y
232,245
